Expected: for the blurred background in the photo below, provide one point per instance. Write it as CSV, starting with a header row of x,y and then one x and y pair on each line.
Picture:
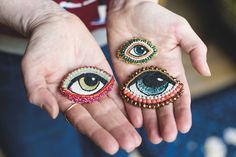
x,y
214,99
215,22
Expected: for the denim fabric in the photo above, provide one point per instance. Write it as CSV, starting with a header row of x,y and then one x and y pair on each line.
x,y
212,134
27,131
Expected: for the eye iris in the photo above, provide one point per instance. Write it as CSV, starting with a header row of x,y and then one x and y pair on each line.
x,y
140,50
152,84
88,82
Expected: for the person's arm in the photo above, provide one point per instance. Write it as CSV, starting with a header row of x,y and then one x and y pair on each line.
x,y
25,15
59,43
128,19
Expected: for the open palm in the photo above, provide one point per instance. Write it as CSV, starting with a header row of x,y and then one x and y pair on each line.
x,y
56,47
169,32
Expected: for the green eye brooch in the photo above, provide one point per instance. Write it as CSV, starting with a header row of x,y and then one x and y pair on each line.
x,y
137,51
151,87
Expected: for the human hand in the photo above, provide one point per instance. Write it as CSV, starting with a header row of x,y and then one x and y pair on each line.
x,y
170,32
57,45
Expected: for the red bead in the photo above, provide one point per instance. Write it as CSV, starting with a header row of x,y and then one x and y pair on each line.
x,y
144,101
149,101
154,101
125,91
131,96
135,98
163,99
128,94
140,100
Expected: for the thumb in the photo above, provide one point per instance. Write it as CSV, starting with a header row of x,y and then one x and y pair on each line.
x,y
38,93
194,46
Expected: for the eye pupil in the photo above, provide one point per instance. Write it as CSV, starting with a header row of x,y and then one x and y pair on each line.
x,y
90,80
153,81
140,50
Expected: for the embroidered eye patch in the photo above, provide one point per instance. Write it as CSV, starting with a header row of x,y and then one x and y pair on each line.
x,y
137,51
86,84
151,87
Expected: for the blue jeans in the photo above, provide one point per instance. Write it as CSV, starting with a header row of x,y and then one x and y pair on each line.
x,y
27,131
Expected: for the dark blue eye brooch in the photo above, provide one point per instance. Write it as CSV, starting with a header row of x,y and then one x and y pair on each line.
x,y
137,51
151,87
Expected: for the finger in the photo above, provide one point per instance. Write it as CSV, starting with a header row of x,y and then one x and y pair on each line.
x,y
182,109
167,125
135,115
46,99
111,118
83,121
194,46
151,125
38,92
114,95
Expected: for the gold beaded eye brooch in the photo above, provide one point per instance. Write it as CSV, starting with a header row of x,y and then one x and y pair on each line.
x,y
151,87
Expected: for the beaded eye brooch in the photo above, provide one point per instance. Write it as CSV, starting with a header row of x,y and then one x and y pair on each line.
x,y
86,84
151,87
137,51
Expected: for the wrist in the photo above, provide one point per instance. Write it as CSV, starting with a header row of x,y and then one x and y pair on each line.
x,y
119,4
50,18
49,12
25,15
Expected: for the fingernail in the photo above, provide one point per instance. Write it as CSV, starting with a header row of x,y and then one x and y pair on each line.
x,y
138,140
154,137
207,70
49,110
113,150
129,148
156,141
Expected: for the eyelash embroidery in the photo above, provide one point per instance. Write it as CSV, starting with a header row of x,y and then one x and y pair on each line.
x,y
151,87
86,84
137,51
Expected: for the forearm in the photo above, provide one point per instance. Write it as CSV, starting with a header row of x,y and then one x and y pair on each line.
x,y
24,15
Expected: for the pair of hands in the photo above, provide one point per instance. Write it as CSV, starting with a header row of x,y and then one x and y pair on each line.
x,y
60,44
